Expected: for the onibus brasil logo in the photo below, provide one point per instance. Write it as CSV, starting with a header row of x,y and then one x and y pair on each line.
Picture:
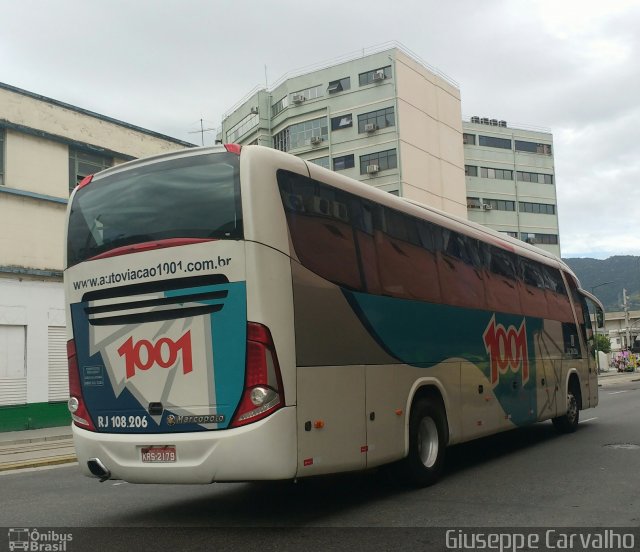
x,y
39,541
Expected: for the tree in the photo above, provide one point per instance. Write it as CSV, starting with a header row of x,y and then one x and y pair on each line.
x,y
603,343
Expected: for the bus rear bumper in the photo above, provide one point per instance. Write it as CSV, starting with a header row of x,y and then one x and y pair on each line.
x,y
264,450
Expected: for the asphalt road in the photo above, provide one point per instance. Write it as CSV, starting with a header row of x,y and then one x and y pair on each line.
x,y
531,477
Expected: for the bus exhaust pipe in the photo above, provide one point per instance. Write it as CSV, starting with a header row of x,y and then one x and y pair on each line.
x,y
98,469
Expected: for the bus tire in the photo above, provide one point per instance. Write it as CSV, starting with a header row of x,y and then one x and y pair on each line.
x,y
427,442
568,422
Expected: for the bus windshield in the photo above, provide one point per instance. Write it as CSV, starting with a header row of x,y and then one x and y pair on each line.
x,y
190,197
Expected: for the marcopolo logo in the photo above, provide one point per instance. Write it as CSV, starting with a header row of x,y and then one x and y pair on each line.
x,y
507,348
144,354
39,541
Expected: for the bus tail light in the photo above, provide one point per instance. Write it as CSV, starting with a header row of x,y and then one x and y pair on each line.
x,y
77,407
263,392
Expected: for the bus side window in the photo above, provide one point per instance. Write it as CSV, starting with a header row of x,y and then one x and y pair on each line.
x,y
406,268
570,331
460,269
320,229
501,286
533,298
557,298
582,310
362,217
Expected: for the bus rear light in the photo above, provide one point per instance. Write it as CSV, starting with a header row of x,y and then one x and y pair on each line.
x,y
263,392
77,407
233,148
86,180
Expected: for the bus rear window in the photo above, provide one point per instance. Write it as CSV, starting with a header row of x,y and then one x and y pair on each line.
x,y
197,196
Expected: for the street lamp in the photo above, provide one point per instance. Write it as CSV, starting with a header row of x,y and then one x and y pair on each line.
x,y
595,331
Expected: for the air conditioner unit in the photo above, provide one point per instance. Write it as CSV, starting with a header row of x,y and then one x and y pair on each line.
x,y
502,123
293,202
340,211
379,75
254,111
373,169
370,127
473,206
494,122
315,140
487,206
298,98
322,206
475,119
484,120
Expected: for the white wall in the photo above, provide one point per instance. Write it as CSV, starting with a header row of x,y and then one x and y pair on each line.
x,y
34,306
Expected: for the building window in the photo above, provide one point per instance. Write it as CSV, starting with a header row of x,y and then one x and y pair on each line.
x,y
2,140
545,239
299,135
83,164
493,142
510,234
498,174
537,208
381,118
533,147
470,170
279,106
310,93
244,126
474,203
469,139
383,159
375,76
534,177
339,85
343,121
343,162
321,161
500,204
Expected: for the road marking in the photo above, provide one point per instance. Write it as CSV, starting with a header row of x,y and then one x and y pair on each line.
x,y
618,392
588,420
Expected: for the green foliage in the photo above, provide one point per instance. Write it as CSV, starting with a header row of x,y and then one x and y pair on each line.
x,y
603,343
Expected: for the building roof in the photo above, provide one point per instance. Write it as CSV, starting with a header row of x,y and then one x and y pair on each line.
x,y
77,109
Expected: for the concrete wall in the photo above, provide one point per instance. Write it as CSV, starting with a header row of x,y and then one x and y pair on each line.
x,y
430,136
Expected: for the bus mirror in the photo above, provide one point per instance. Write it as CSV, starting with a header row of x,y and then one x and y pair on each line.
x,y
599,317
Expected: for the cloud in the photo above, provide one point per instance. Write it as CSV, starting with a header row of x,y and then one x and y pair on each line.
x,y
566,66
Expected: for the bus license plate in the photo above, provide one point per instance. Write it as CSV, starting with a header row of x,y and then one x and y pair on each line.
x,y
159,455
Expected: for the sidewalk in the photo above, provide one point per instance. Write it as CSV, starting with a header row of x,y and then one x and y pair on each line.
x,y
612,377
36,447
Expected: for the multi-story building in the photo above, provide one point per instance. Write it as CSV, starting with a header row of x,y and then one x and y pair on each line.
x,y
46,146
391,121
511,181
385,118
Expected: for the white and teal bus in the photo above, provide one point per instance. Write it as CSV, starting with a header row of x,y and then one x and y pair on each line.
x,y
240,314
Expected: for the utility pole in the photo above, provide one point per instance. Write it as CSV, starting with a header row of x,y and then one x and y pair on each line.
x,y
626,318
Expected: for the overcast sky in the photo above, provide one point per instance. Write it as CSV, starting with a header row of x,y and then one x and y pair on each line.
x,y
570,66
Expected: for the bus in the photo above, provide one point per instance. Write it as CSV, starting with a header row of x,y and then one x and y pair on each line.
x,y
237,314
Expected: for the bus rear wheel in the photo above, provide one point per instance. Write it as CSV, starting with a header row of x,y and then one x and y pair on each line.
x,y
568,423
427,442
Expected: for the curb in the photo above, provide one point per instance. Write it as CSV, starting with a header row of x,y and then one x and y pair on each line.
x,y
34,440
38,462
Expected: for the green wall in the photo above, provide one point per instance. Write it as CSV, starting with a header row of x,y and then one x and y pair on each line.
x,y
34,416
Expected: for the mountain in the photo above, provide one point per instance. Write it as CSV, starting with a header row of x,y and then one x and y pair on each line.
x,y
618,272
